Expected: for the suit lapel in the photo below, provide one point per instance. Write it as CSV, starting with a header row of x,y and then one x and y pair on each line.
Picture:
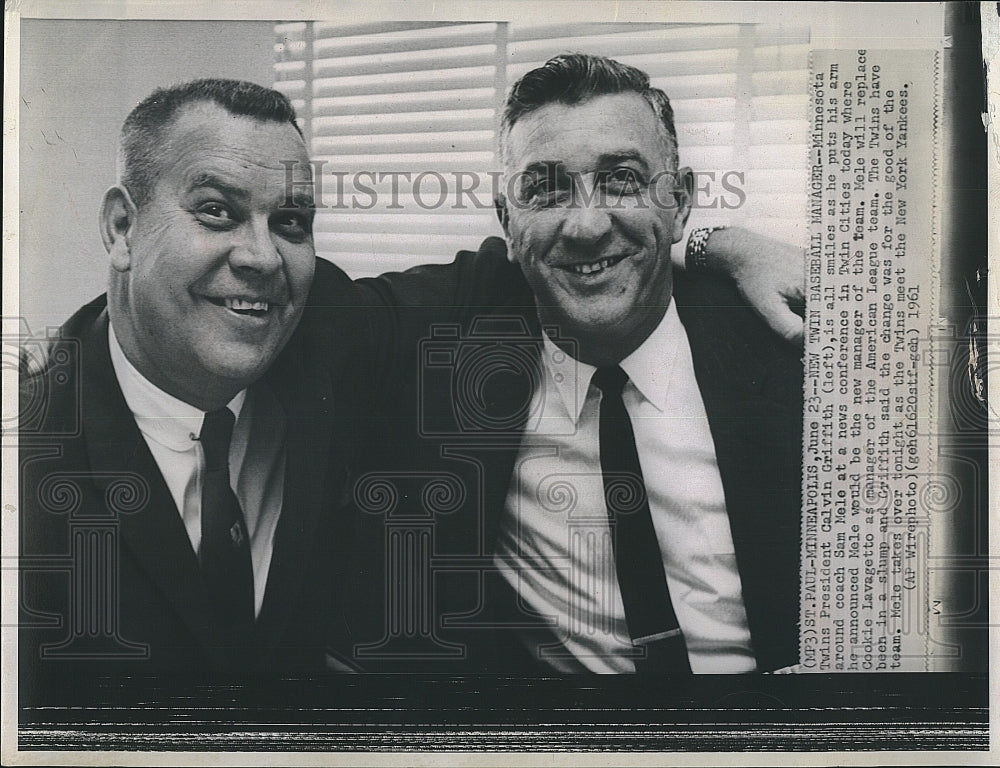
x,y
153,533
503,401
751,388
315,478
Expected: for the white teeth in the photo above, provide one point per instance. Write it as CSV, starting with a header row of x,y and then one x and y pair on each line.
x,y
589,269
244,304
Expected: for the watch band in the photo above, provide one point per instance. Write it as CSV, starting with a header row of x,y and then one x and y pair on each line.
x,y
694,253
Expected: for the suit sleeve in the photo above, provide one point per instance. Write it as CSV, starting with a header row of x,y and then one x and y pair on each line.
x,y
407,306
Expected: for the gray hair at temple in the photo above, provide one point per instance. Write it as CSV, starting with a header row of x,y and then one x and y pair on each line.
x,y
145,128
574,78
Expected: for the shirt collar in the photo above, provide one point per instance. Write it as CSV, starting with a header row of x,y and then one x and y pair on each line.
x,y
569,376
649,367
159,415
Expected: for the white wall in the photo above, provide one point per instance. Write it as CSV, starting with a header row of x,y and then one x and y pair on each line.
x,y
79,79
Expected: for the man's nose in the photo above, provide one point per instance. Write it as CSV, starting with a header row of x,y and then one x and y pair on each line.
x,y
587,217
255,249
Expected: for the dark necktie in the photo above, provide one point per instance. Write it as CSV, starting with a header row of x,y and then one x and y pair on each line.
x,y
652,624
225,545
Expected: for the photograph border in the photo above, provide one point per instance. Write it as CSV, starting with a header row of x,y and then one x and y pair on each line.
x,y
915,718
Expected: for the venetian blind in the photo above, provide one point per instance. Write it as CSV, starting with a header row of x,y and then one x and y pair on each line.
x,y
402,120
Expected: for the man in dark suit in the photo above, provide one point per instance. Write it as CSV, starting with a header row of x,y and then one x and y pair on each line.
x,y
604,465
181,461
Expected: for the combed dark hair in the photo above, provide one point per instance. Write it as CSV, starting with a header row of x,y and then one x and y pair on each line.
x,y
143,131
573,78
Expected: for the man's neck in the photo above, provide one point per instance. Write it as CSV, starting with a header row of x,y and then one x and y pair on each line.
x,y
210,397
599,347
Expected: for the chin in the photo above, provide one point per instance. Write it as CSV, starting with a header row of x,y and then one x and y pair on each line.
x,y
604,322
239,370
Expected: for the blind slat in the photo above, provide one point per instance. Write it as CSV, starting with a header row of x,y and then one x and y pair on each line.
x,y
778,57
774,180
772,83
695,87
705,134
289,69
291,88
433,36
335,29
370,104
543,31
461,77
673,64
405,122
411,142
778,156
407,61
443,162
626,43
779,131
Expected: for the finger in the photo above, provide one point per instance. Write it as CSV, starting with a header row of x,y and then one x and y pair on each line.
x,y
784,322
795,293
796,302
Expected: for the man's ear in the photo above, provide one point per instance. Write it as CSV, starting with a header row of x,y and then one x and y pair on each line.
x,y
118,217
500,206
683,194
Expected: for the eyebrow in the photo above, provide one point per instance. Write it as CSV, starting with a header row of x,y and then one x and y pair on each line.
x,y
544,167
300,198
604,161
211,180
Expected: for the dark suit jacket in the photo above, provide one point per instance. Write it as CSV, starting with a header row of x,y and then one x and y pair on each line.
x,y
455,425
109,582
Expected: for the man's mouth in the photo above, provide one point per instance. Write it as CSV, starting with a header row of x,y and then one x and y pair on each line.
x,y
594,267
242,305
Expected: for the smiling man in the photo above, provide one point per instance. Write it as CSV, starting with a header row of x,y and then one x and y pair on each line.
x,y
209,277
176,487
628,437
210,271
680,553
599,201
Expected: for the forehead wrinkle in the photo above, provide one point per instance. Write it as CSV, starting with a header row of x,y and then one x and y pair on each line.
x,y
203,133
246,158
541,128
242,181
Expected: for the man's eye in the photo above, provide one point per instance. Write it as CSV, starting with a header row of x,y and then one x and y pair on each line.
x,y
544,191
215,215
292,226
624,181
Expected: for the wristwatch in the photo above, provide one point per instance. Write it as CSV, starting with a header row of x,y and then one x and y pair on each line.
x,y
694,254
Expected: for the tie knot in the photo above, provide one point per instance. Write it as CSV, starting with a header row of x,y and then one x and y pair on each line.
x,y
610,380
216,433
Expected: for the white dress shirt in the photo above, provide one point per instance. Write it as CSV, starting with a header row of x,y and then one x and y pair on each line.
x,y
554,545
170,428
